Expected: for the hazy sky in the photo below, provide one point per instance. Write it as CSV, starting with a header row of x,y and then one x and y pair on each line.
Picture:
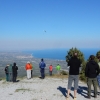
x,y
43,24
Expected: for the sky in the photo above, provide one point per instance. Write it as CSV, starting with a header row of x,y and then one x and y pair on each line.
x,y
49,24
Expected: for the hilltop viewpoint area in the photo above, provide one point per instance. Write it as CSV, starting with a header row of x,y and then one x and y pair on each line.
x,y
51,88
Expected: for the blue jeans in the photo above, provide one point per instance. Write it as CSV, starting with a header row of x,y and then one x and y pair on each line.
x,y
42,73
98,79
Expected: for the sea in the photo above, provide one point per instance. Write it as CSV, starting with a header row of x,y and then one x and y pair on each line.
x,y
60,54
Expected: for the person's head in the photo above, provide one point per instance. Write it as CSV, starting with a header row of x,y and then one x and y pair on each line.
x,y
42,59
7,65
75,54
14,64
92,57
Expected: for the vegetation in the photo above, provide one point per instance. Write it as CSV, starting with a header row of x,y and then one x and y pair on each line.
x,y
17,90
81,57
63,72
97,56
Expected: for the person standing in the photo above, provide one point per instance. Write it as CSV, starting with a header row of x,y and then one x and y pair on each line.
x,y
28,68
74,64
58,67
42,66
50,70
7,73
91,72
14,72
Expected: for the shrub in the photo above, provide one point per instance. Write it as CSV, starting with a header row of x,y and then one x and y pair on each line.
x,y
63,72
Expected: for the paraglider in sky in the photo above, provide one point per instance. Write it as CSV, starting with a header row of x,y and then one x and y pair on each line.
x,y
44,30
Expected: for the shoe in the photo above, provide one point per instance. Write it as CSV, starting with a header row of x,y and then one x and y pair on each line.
x,y
74,98
88,97
99,94
95,96
67,98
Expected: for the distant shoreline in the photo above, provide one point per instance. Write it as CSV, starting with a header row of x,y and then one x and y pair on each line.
x,y
60,54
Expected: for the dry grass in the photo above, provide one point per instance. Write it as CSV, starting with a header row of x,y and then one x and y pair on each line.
x,y
58,76
17,90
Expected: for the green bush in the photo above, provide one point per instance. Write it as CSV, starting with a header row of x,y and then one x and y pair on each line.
x,y
63,72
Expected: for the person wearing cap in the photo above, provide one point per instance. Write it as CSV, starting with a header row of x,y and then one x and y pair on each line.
x,y
91,72
6,72
42,66
14,72
28,68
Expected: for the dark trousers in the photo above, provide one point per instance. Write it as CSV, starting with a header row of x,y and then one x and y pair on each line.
x,y
91,81
50,72
42,73
31,73
14,77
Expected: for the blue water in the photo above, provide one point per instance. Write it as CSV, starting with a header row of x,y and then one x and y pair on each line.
x,y
60,54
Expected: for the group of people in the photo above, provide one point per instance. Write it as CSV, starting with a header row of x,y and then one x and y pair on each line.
x,y
11,72
92,71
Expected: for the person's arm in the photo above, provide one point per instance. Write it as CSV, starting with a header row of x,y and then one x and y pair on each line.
x,y
98,70
69,62
16,68
5,69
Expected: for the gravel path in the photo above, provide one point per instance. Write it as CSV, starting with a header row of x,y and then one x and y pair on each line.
x,y
40,89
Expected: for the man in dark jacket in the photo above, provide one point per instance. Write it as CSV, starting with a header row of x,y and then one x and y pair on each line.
x,y
14,71
74,64
91,72
42,66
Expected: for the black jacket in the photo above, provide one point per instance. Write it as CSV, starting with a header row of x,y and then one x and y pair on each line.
x,y
74,64
14,69
6,69
92,69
